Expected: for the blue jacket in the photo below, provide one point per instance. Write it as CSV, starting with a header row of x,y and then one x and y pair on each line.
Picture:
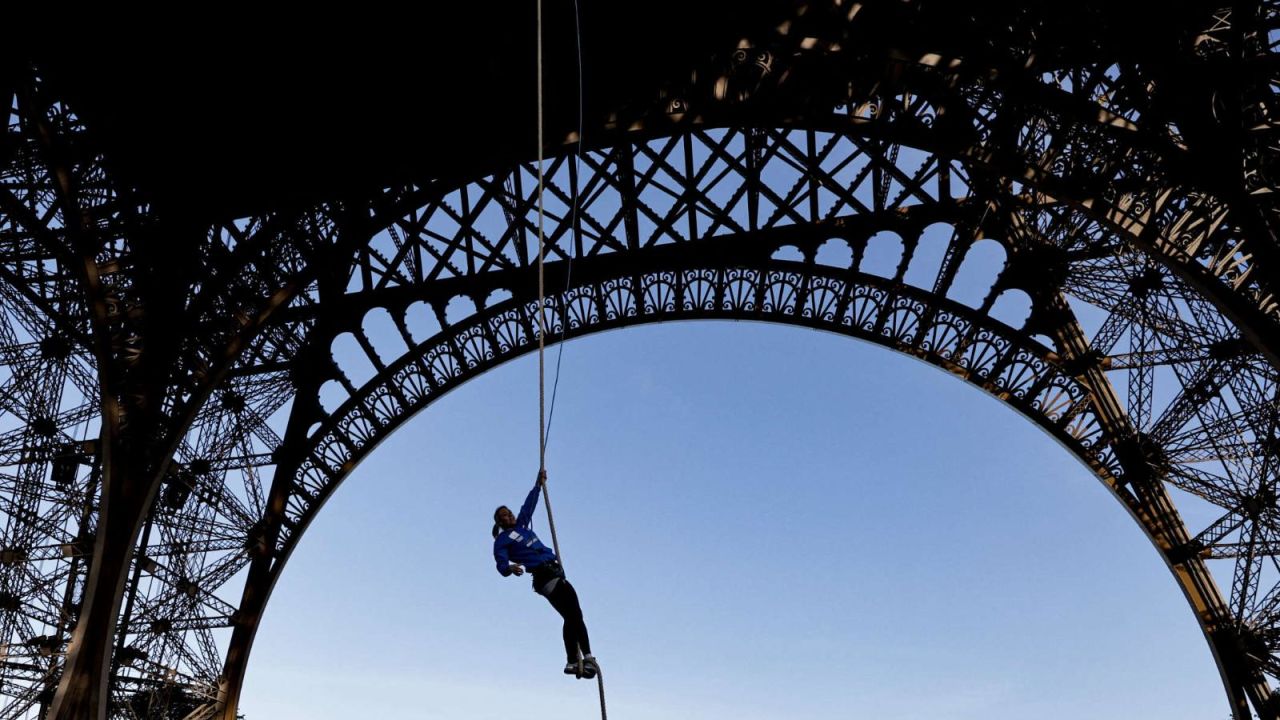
x,y
519,545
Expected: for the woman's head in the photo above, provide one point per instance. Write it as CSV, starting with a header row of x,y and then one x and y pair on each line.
x,y
502,519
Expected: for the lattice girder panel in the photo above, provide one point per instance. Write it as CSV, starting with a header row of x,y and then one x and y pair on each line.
x,y
1096,126
49,400
75,299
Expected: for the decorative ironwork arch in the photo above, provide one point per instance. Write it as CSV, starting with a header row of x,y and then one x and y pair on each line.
x,y
1056,379
436,249
442,242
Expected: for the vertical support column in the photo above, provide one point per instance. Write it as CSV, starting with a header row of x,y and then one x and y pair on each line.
x,y
131,316
83,693
83,688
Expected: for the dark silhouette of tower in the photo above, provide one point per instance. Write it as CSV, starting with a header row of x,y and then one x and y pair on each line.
x,y
188,229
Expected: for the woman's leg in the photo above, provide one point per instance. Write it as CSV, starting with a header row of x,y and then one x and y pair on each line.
x,y
565,600
570,638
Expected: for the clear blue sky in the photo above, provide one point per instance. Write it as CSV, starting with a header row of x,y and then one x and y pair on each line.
x,y
762,522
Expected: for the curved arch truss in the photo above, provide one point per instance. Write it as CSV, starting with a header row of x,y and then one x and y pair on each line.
x,y
1113,352
1093,243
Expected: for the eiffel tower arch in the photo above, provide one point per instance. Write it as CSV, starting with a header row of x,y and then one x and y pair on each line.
x,y
191,371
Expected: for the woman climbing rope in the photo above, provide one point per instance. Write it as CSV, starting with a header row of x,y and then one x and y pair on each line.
x,y
516,549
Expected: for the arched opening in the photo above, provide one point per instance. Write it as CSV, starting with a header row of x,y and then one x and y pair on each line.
x,y
930,253
821,540
835,253
883,255
979,269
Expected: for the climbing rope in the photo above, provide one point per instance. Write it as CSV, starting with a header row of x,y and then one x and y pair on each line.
x,y
573,214
542,328
542,301
604,711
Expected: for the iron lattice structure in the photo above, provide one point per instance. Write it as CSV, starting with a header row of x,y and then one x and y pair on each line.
x,y
179,399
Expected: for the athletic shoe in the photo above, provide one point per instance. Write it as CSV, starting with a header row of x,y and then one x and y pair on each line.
x,y
590,668
571,668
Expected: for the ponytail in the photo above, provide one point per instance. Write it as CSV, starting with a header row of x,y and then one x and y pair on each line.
x,y
496,528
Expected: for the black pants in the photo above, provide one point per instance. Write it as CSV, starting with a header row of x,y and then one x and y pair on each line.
x,y
565,600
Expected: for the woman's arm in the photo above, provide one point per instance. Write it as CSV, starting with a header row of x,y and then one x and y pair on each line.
x,y
530,503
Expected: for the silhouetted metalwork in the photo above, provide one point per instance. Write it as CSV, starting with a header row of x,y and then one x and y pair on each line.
x,y
179,401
